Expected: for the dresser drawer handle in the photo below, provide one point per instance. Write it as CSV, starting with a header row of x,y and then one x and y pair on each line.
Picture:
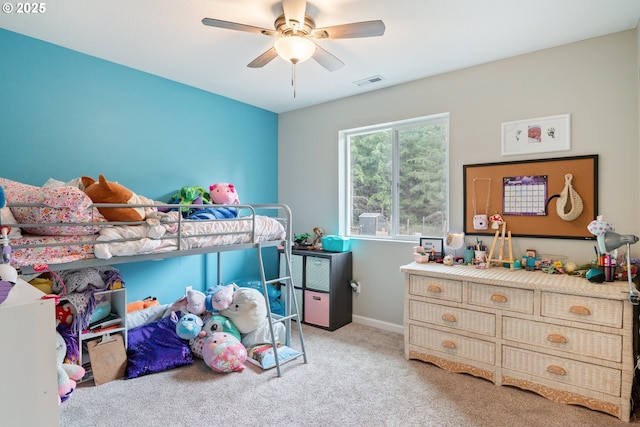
x,y
434,289
579,309
499,298
556,370
449,344
448,317
557,338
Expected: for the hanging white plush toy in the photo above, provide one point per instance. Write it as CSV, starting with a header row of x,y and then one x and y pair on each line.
x,y
8,274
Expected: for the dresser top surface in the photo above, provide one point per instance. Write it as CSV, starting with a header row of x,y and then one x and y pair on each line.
x,y
498,275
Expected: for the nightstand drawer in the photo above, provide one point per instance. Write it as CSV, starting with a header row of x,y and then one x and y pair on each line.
x,y
585,375
296,268
316,308
454,318
452,344
449,290
318,273
512,299
596,311
571,340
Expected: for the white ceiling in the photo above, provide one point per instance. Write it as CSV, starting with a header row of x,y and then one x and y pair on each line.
x,y
423,38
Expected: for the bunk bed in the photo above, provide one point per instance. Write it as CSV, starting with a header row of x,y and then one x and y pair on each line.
x,y
134,241
76,237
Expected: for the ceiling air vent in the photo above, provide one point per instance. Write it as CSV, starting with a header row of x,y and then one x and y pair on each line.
x,y
369,80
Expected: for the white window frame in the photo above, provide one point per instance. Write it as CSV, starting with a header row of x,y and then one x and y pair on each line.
x,y
344,186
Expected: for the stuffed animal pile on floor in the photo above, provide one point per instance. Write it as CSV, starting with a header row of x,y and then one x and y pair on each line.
x,y
223,322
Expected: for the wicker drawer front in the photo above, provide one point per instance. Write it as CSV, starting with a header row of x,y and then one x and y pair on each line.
x,y
558,369
466,320
582,309
449,290
571,340
452,344
512,299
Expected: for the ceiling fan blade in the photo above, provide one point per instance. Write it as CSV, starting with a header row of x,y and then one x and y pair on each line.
x,y
327,60
294,11
350,31
263,59
238,27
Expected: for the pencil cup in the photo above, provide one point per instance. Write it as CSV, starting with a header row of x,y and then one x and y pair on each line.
x,y
481,256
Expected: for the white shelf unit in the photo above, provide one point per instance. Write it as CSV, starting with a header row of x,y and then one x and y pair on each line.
x,y
29,395
118,300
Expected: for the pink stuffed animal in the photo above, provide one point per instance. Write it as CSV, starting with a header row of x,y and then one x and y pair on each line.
x,y
196,302
220,297
224,353
68,373
224,193
215,299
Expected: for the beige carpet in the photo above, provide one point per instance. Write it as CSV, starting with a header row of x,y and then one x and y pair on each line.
x,y
356,376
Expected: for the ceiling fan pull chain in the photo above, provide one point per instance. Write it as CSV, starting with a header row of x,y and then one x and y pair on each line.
x,y
293,78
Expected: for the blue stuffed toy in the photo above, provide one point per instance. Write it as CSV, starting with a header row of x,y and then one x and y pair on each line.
x,y
189,326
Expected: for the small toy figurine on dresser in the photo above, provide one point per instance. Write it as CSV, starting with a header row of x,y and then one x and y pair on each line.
x,y
302,241
317,238
530,260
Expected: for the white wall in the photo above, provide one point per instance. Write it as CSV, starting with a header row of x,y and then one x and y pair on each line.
x,y
596,81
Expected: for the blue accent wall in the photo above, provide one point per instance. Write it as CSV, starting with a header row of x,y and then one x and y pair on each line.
x,y
64,114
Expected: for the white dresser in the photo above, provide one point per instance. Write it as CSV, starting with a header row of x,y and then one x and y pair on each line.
x,y
560,336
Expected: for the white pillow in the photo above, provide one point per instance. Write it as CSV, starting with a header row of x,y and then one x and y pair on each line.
x,y
76,182
147,315
52,182
7,218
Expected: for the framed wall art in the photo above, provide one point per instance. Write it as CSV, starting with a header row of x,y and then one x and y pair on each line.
x,y
528,195
540,135
433,244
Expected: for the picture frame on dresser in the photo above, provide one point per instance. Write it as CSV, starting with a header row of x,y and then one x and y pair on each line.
x,y
429,244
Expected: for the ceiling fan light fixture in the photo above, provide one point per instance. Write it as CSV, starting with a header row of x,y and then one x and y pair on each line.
x,y
295,49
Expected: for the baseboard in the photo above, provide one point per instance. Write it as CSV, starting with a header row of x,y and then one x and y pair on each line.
x,y
385,326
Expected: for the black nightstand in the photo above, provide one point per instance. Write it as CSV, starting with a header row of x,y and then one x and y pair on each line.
x,y
322,286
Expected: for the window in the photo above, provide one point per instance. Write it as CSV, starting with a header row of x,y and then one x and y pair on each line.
x,y
394,179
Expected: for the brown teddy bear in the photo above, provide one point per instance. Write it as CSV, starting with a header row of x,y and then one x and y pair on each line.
x,y
103,191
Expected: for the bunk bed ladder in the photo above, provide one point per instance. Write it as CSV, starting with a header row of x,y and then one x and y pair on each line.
x,y
292,311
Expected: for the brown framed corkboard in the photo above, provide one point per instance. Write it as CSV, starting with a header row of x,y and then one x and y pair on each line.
x,y
489,182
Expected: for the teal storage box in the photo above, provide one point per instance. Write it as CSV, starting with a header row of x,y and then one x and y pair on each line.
x,y
336,244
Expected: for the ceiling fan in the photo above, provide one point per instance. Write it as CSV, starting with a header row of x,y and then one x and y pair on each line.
x,y
295,32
